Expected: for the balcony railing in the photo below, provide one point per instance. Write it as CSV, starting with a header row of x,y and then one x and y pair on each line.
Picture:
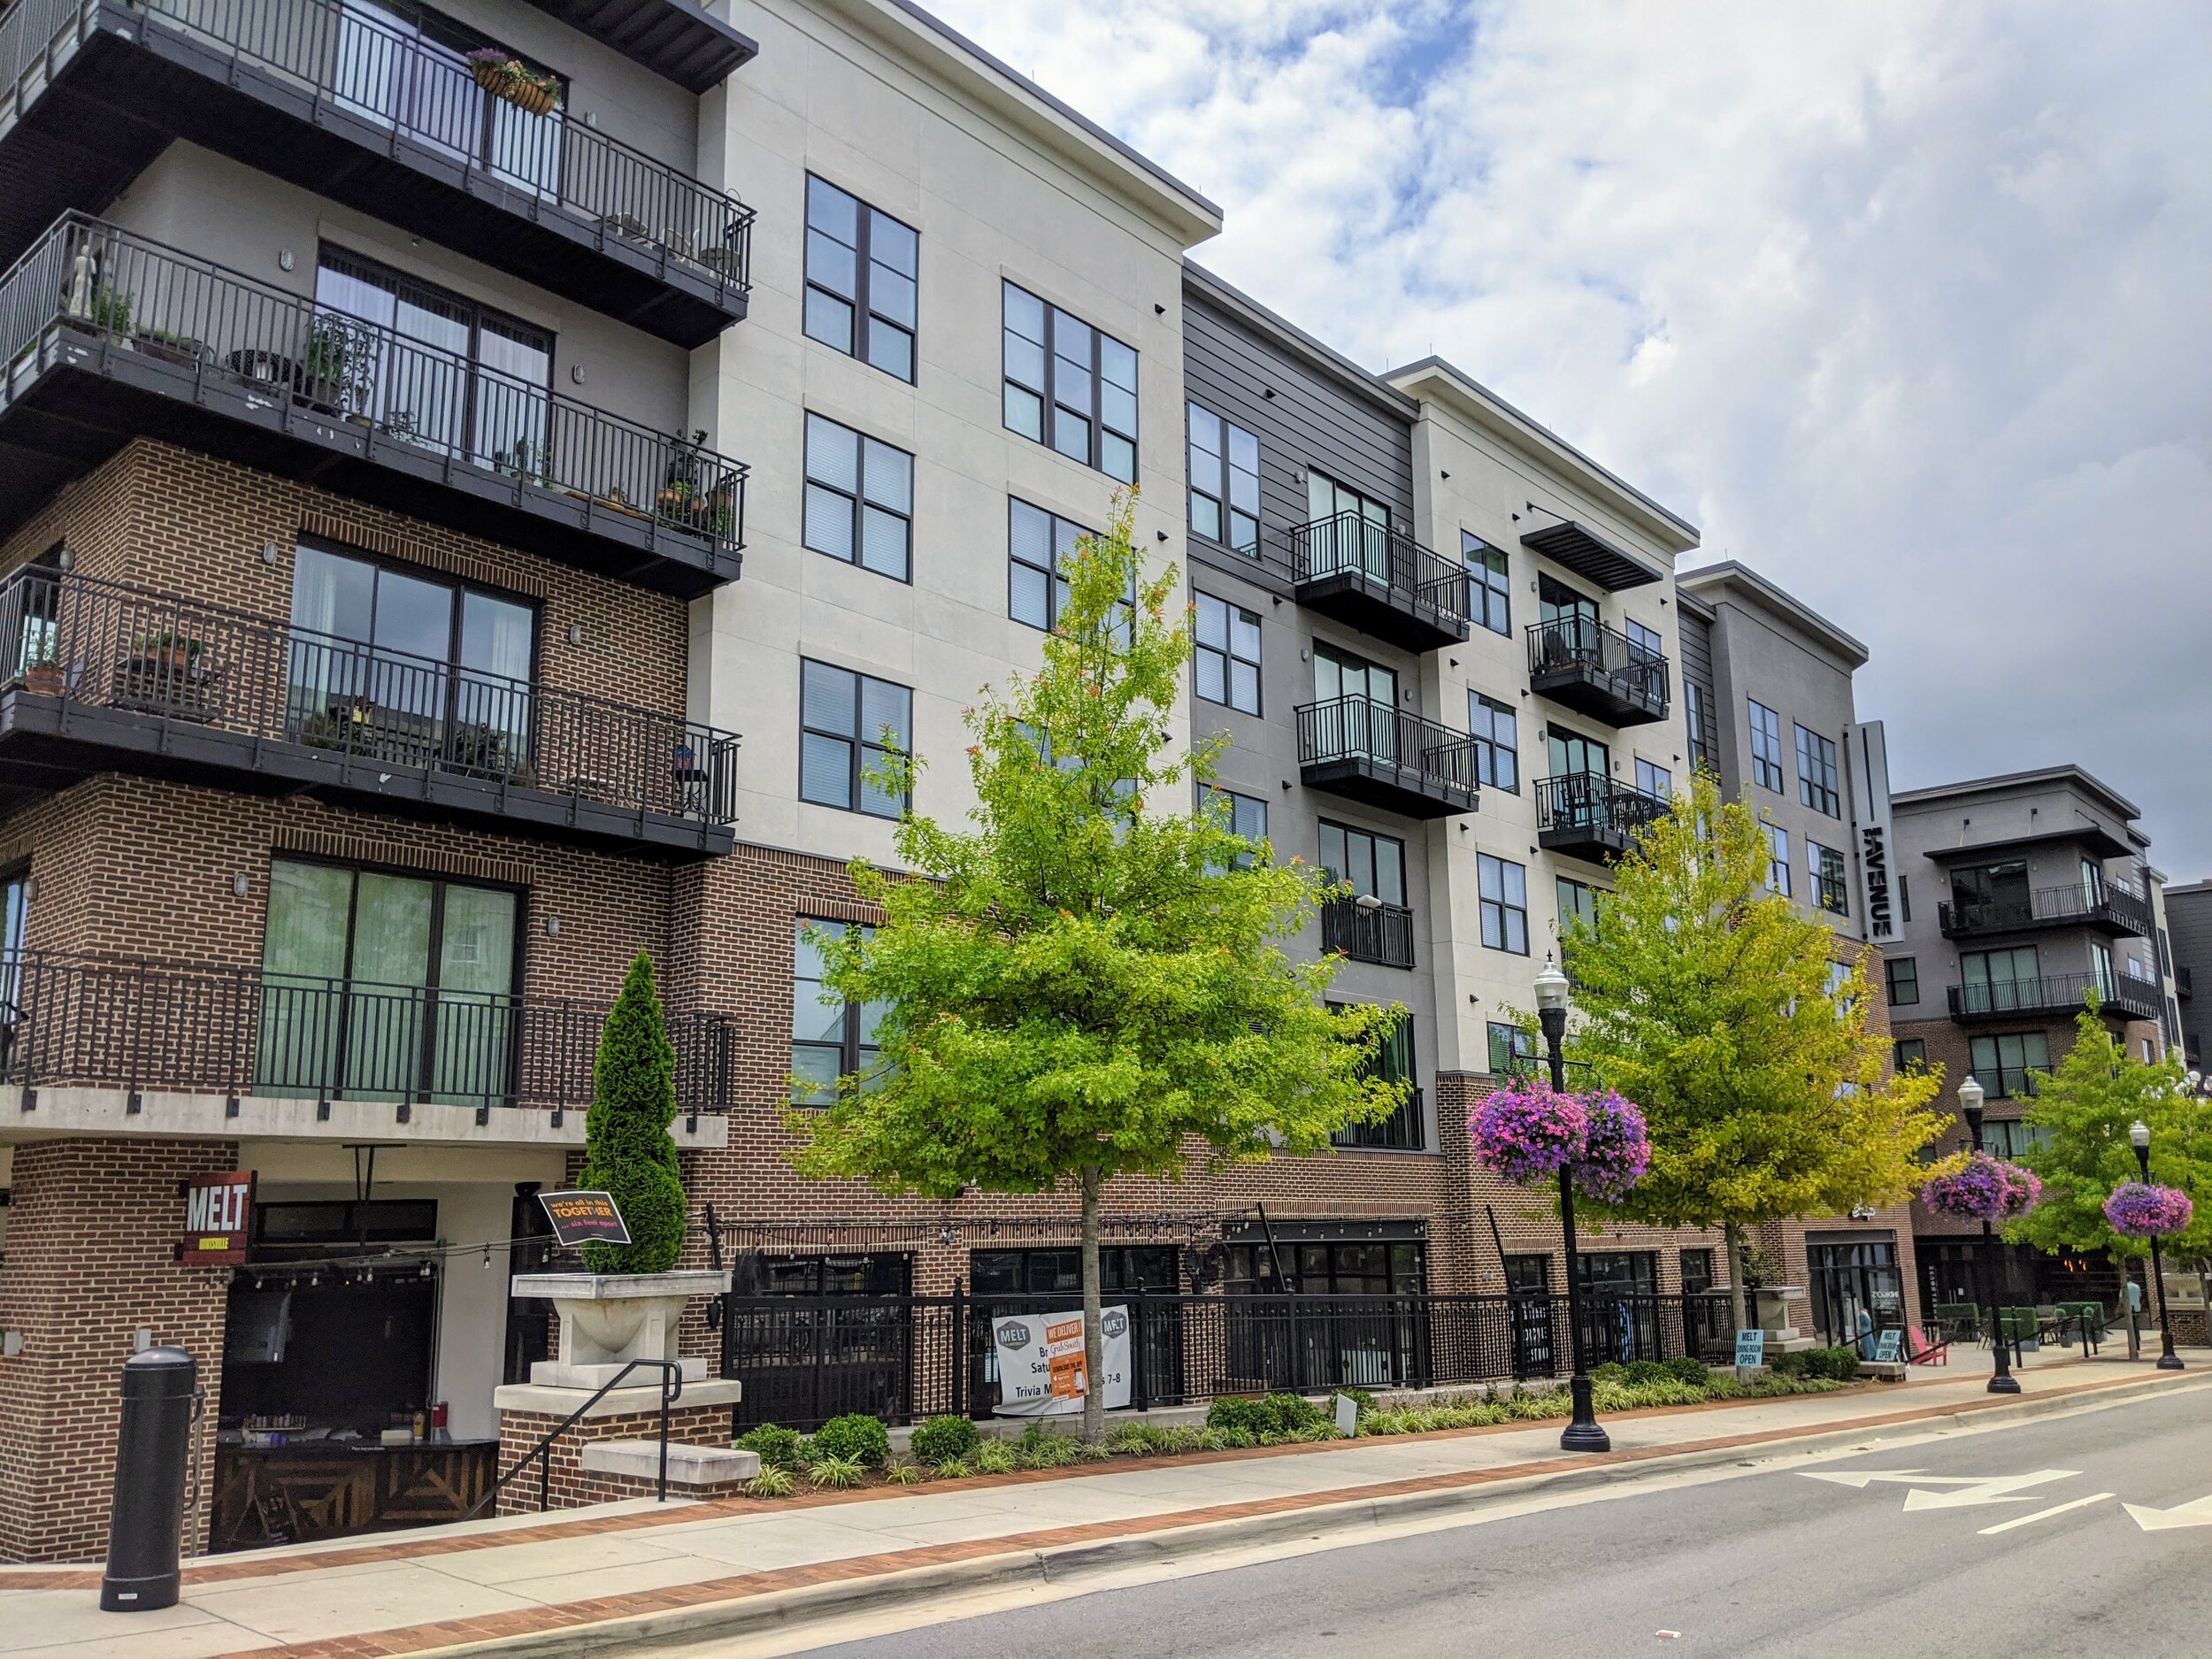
x,y
1597,670
1589,814
1401,1131
88,284
142,1026
1378,579
2057,994
105,645
1370,751
1378,932
2070,905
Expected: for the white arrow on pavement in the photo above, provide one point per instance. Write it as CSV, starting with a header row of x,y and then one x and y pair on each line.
x,y
1972,1489
2197,1512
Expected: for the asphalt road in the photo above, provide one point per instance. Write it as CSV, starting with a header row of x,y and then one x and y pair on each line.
x,y
1772,1563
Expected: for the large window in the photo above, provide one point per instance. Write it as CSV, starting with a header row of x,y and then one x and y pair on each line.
x,y
1036,542
1995,980
1699,714
1766,747
848,725
859,499
1402,1131
402,66
1512,1050
1572,754
1904,980
1501,890
830,1038
1374,866
1910,1054
1497,730
1777,859
1654,778
1830,887
2003,1064
1645,644
1576,899
1244,815
1070,385
1489,596
1225,483
1227,653
1817,782
2007,1137
1338,674
860,269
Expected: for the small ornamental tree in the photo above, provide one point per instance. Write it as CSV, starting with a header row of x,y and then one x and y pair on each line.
x,y
1088,980
628,1151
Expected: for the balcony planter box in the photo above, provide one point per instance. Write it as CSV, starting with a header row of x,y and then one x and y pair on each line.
x,y
505,77
46,679
166,348
609,1319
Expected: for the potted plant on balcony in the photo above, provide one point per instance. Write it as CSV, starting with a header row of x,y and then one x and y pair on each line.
x,y
180,349
508,77
169,673
336,372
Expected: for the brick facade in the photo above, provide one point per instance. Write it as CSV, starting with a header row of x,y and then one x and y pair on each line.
x,y
569,1485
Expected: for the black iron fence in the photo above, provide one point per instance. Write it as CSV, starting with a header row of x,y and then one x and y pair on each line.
x,y
2051,993
1378,733
1373,932
1591,804
2045,906
89,281
139,651
142,1026
1578,645
1348,544
806,1359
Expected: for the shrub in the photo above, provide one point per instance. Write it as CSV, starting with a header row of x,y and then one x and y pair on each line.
x,y
778,1448
1294,1414
627,1151
1045,1451
771,1483
943,1440
905,1474
1837,1364
1363,1403
837,1474
1643,1371
1685,1368
1786,1364
1611,1370
1231,1415
994,1457
856,1436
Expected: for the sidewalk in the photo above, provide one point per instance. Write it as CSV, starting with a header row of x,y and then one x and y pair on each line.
x,y
647,1569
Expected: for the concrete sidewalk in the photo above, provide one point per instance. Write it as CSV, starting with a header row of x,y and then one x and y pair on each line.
x,y
642,1571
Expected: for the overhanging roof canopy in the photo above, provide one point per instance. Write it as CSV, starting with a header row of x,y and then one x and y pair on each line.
x,y
675,39
2090,837
1589,555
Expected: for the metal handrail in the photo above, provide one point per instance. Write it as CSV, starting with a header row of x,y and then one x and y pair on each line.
x,y
1578,645
1366,729
2049,991
86,280
1349,543
1590,801
116,645
2069,902
1380,933
671,1390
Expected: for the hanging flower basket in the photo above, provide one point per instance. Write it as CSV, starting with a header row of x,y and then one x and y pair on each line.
x,y
1986,1189
508,78
1530,1133
2139,1212
1616,1151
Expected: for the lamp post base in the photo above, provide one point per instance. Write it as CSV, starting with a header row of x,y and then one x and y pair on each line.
x,y
2006,1384
1582,1434
2169,1362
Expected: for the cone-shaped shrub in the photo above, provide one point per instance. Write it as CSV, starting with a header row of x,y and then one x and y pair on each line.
x,y
627,1149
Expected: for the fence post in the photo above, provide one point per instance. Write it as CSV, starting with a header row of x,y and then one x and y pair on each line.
x,y
1140,1381
958,1343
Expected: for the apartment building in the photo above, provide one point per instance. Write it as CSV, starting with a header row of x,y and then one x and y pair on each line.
x,y
2189,952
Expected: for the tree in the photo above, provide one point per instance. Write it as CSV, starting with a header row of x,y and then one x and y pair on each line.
x,y
1084,983
628,1151
1710,1001
2082,1110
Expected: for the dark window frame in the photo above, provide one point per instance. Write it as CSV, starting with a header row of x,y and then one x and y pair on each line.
x,y
2008,1081
1375,839
860,303
1232,614
859,744
1501,907
1048,392
1488,746
852,1051
858,499
1907,1052
1819,784
1698,714
1489,585
1766,746
1220,486
1831,876
1902,973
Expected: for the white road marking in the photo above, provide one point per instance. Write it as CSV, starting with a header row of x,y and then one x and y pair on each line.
x,y
2044,1514
2196,1512
1971,1490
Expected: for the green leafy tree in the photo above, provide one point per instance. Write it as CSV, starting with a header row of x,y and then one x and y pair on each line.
x,y
1085,982
2084,1109
627,1149
1712,1002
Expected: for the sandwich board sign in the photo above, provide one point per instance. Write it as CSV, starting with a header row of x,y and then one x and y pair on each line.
x,y
1041,1370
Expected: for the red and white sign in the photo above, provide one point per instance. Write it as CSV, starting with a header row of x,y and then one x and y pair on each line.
x,y
217,1218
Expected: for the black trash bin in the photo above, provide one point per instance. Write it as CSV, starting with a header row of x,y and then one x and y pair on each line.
x,y
146,1522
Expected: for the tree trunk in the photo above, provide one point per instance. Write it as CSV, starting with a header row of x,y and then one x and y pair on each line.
x,y
1739,1303
1093,1339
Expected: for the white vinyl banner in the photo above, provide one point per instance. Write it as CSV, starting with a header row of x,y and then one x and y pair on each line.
x,y
1041,1361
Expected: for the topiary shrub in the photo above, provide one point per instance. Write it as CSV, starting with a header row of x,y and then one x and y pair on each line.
x,y
1837,1364
1788,1365
857,1437
943,1440
1610,1370
627,1149
777,1448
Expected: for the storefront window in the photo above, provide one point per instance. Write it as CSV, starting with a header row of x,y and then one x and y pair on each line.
x,y
1856,1287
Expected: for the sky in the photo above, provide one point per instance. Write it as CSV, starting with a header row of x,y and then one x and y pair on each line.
x,y
1908,306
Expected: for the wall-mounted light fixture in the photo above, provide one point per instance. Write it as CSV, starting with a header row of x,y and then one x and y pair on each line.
x,y
575,634
285,261
241,886
271,553
553,926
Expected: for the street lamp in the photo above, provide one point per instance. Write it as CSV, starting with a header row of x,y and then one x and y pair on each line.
x,y
2002,1381
1582,1434
2139,1138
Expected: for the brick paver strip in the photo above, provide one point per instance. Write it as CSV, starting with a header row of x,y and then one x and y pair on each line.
x,y
541,1620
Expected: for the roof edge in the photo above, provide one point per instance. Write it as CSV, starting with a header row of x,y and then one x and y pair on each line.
x,y
1321,357
2065,772
1728,572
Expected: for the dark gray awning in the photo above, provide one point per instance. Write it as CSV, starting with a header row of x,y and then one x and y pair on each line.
x,y
675,39
1589,555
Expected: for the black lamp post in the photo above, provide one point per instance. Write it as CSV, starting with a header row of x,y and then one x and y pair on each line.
x,y
1582,1434
2002,1381
2139,1137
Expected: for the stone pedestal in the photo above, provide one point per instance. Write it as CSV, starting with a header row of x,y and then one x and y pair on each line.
x,y
609,1319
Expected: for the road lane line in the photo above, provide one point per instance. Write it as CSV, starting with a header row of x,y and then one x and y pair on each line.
x,y
2044,1514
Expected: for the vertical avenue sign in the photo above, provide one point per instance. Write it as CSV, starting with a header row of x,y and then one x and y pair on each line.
x,y
1870,765
217,1218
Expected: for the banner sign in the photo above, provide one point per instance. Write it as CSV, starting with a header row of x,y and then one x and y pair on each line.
x,y
217,1218
1868,752
1751,1349
585,1218
1041,1361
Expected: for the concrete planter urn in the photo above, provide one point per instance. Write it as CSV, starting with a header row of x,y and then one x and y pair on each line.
x,y
609,1319
1771,1305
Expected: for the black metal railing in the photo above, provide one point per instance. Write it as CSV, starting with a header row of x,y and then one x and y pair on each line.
x,y
806,1359
1375,932
88,281
1401,1131
1348,544
2056,906
131,648
1591,804
1577,646
2051,993
139,1025
671,1388
352,64
1363,729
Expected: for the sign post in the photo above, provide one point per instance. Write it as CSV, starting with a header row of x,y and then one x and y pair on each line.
x,y
584,1218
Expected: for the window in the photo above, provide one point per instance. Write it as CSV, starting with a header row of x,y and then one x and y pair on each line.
x,y
1697,1272
1904,981
15,915
1342,673
830,1038
1697,709
859,499
1503,891
403,66
1766,747
1329,1267
2007,1137
1244,815
1374,866
1991,982
1225,483
1825,864
1655,779
1904,896
848,725
2001,1065
1069,386
1489,602
1036,541
2101,971
1779,859
1644,644
1512,1050
1816,773
1573,755
861,268
1227,654
1401,1131
1910,1054
1575,614
1497,733
1576,898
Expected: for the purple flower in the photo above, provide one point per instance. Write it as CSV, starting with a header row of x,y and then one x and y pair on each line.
x,y
1986,1189
2144,1212
1530,1133
1616,1151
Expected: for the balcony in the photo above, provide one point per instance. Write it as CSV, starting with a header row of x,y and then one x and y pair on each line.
x,y
2121,915
1597,671
2052,996
1401,1131
145,1026
333,98
1366,930
1380,580
1383,757
101,677
1587,815
106,336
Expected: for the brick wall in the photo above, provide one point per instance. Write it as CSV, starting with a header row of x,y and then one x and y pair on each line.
x,y
569,1485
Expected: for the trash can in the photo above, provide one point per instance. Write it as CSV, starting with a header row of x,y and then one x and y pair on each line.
x,y
146,1521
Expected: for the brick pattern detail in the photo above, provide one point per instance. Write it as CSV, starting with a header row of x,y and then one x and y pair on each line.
x,y
570,1486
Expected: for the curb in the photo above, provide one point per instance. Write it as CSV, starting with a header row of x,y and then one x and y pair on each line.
x,y
669,1631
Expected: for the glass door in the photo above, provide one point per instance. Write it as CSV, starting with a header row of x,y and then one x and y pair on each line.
x,y
1581,769
1528,1288
1369,726
1571,622
1996,981
1359,541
